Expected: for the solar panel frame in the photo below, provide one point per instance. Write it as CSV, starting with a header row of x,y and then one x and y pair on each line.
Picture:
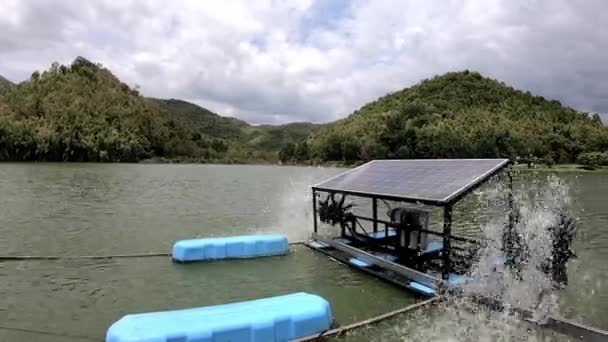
x,y
450,195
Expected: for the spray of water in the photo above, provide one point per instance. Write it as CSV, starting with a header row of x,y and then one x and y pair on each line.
x,y
460,319
526,286
294,207
295,213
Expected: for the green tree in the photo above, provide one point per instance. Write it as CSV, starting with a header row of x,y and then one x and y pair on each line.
x,y
464,114
301,152
287,152
593,158
371,149
351,150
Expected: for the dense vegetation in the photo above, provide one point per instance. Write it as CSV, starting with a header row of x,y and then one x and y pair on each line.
x,y
246,142
593,159
81,112
457,115
203,120
4,83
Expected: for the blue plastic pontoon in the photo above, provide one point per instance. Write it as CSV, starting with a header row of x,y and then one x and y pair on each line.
x,y
281,318
234,247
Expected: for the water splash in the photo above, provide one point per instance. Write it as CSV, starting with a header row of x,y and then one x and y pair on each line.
x,y
526,287
459,318
295,213
294,206
466,323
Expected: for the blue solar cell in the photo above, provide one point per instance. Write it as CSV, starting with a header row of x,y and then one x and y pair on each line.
x,y
435,180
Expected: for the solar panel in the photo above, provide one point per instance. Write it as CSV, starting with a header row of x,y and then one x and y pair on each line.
x,y
426,180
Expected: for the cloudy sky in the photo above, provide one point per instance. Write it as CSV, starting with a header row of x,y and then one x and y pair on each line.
x,y
314,60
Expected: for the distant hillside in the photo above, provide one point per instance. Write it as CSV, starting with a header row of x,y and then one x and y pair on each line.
x,y
275,137
459,114
263,141
4,82
204,120
82,112
262,137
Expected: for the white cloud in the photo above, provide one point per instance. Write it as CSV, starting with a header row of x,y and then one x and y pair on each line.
x,y
277,61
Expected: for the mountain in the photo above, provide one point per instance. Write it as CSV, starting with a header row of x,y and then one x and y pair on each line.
x,y
459,114
4,83
82,112
261,137
271,137
204,120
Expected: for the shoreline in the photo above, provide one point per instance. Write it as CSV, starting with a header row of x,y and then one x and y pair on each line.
x,y
560,168
569,167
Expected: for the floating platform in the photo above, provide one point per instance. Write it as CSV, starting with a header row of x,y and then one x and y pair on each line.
x,y
278,319
234,247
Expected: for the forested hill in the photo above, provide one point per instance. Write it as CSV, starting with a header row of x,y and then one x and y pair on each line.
x,y
4,82
247,142
459,114
204,120
81,112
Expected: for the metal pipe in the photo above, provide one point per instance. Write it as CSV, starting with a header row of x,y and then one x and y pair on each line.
x,y
389,224
314,209
375,213
509,234
447,232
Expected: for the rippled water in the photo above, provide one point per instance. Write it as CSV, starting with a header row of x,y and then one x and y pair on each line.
x,y
89,209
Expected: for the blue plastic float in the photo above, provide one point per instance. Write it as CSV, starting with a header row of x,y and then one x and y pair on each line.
x,y
281,318
234,247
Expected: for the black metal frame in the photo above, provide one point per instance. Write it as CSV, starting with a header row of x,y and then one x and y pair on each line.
x,y
447,206
399,274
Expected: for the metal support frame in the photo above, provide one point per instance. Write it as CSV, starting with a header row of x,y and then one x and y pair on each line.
x,y
314,210
371,259
432,232
510,194
447,232
375,213
560,325
447,206
508,243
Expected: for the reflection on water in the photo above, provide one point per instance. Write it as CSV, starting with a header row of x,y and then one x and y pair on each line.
x,y
71,209
85,209
455,321
83,297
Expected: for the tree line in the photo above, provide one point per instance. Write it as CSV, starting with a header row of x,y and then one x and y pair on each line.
x,y
458,115
82,112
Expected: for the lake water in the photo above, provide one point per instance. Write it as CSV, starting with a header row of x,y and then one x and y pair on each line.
x,y
104,209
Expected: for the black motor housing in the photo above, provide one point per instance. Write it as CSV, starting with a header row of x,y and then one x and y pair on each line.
x,y
409,223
